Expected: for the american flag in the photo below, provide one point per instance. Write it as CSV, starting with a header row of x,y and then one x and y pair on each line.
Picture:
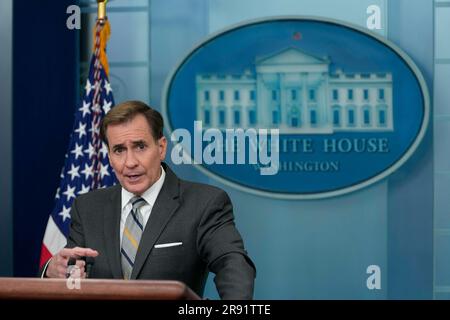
x,y
86,165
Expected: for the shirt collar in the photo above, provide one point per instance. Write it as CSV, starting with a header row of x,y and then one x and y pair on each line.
x,y
149,195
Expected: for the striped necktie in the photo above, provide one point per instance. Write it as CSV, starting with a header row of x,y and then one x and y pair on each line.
x,y
131,236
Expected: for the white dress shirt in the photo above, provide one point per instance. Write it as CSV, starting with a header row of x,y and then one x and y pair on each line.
x,y
149,195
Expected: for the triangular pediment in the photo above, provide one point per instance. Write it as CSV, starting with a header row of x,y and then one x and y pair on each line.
x,y
290,56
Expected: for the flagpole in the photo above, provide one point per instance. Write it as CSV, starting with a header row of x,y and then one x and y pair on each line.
x,y
102,32
101,10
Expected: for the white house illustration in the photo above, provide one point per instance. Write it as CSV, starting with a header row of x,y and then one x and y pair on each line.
x,y
296,92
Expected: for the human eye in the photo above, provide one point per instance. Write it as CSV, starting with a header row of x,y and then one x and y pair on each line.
x,y
141,145
118,150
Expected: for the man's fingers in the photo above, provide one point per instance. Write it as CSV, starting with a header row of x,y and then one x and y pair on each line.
x,y
69,260
61,271
65,253
78,252
84,252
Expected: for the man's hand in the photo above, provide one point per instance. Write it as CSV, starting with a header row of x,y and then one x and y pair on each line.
x,y
57,267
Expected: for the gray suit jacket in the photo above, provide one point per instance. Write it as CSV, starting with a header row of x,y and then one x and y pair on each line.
x,y
198,215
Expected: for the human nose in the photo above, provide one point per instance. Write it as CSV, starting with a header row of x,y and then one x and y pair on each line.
x,y
130,160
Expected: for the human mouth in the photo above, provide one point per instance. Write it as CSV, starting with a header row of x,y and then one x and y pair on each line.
x,y
133,177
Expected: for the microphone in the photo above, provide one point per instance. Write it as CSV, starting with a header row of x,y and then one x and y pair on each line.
x,y
89,263
71,266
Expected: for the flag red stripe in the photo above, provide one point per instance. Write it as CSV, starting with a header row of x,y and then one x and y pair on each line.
x,y
45,255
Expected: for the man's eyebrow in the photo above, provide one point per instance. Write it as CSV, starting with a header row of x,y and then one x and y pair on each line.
x,y
135,143
117,146
139,142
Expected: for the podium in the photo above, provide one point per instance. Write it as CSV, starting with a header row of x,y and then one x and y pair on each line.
x,y
93,289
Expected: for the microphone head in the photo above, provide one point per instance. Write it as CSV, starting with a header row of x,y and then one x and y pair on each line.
x,y
89,260
89,263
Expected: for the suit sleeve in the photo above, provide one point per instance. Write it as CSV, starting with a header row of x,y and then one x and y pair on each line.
x,y
76,234
221,246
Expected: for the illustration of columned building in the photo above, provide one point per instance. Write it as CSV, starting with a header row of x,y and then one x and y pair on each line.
x,y
296,92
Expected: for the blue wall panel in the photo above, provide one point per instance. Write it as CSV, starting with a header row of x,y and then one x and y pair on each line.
x,y
411,188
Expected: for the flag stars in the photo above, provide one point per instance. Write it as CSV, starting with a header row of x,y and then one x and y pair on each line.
x,y
104,170
69,193
73,172
90,151
77,151
88,87
104,150
85,108
107,87
87,171
81,130
84,189
80,173
65,213
95,128
106,106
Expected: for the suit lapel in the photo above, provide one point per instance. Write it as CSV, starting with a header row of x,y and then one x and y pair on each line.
x,y
165,206
111,232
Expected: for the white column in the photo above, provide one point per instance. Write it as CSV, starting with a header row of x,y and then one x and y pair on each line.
x,y
283,101
262,105
305,92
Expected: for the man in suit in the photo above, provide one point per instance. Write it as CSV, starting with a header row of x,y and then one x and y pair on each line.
x,y
154,225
